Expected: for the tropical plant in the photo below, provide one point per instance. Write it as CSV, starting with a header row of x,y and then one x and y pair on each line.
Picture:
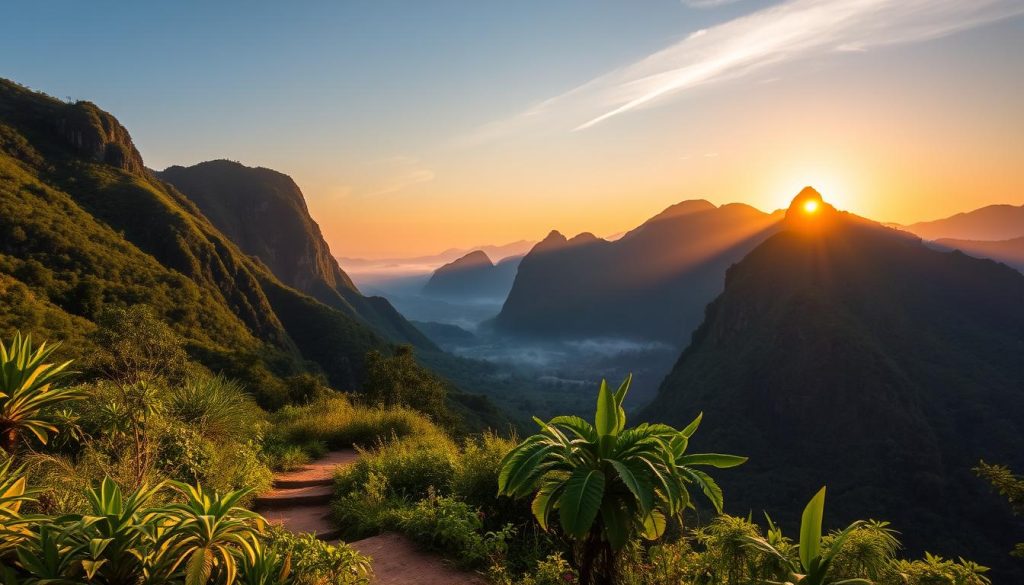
x,y
608,482
27,390
210,532
13,493
114,532
814,564
265,566
1009,486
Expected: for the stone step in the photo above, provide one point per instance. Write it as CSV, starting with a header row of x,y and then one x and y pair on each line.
x,y
285,484
293,497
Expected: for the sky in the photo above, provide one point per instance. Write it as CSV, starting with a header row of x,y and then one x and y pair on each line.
x,y
413,127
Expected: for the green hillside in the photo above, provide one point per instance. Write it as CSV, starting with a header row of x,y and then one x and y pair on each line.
x,y
87,227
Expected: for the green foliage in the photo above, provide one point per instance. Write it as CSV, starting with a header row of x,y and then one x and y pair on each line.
x,y
338,423
935,570
315,562
398,380
1009,486
453,527
607,482
815,560
124,538
27,390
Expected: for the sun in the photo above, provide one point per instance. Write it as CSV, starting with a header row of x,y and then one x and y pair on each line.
x,y
811,206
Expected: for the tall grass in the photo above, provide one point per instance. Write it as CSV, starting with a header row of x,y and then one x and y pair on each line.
x,y
337,423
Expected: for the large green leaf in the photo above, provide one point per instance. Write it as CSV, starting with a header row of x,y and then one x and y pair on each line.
x,y
719,460
810,529
581,501
607,417
692,427
636,480
617,523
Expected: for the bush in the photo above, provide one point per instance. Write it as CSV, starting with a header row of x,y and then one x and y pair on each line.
x,y
454,528
314,562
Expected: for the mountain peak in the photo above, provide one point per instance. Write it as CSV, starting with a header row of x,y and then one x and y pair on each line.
x,y
473,259
808,211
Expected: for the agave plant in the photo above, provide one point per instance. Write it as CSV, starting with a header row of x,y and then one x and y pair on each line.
x,y
13,493
210,533
27,391
608,483
116,532
815,561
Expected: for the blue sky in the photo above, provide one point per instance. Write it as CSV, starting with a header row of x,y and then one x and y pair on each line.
x,y
460,123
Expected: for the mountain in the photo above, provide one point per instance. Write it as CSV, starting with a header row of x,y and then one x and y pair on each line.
x,y
650,284
1009,252
847,354
473,276
994,222
264,213
430,262
88,227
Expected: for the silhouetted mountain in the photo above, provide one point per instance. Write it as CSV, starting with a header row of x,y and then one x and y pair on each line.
x,y
849,354
264,213
652,283
994,222
1009,252
473,276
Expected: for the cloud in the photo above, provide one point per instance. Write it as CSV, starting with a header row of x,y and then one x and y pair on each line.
x,y
785,32
390,175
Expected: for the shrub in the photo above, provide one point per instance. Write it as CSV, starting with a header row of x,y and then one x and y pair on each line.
x,y
314,562
453,528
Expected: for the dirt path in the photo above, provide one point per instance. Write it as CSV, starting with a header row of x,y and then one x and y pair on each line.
x,y
300,501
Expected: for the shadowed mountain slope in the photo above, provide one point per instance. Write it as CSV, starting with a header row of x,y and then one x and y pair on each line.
x,y
473,276
652,283
849,354
1009,252
265,214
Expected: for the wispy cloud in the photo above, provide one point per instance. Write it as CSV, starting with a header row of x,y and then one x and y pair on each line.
x,y
389,175
785,32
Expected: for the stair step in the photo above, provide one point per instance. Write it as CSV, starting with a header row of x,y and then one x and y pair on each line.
x,y
284,484
301,496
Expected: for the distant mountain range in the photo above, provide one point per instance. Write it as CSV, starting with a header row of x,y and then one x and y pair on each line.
x,y
472,277
1009,252
846,354
429,263
990,223
650,284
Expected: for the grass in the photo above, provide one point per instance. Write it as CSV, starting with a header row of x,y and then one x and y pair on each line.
x,y
338,423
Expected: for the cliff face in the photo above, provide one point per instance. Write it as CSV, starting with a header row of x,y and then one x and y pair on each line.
x,y
264,212
99,136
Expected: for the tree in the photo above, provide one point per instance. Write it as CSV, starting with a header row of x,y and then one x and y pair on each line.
x,y
608,483
399,380
27,390
1009,486
136,346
